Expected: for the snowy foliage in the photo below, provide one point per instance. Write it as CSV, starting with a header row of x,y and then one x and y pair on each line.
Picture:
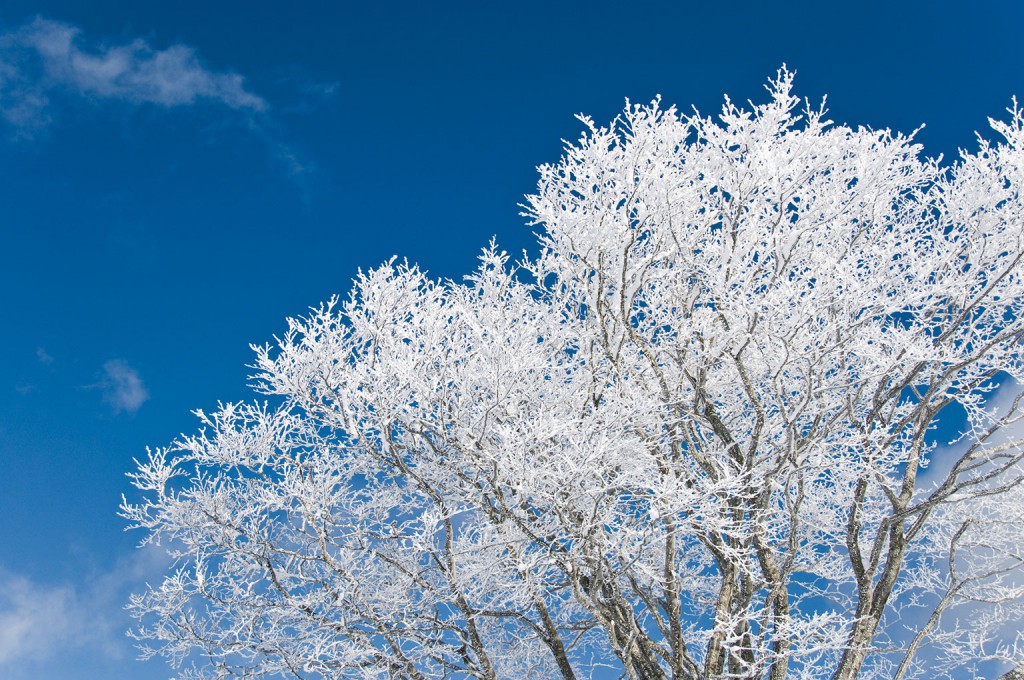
x,y
694,436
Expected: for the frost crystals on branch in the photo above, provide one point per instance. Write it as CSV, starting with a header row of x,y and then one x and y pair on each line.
x,y
694,437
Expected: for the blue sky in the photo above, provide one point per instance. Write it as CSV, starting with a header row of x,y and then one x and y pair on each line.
x,y
177,178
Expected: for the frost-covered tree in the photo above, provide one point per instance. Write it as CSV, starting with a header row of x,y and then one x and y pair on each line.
x,y
703,432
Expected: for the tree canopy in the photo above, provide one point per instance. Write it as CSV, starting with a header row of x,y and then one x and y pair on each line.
x,y
703,432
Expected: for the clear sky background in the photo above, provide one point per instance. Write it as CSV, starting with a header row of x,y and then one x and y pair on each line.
x,y
178,178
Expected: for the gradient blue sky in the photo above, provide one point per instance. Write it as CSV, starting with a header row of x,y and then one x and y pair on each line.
x,y
177,178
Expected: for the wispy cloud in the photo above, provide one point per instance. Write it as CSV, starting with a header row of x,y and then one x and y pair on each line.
x,y
43,623
45,57
43,356
45,64
122,387
986,565
35,620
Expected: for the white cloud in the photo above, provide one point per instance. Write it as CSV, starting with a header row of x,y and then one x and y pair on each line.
x,y
43,356
44,62
44,57
122,387
41,624
968,626
35,621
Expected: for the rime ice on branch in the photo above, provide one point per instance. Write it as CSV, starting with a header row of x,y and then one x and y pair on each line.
x,y
688,439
